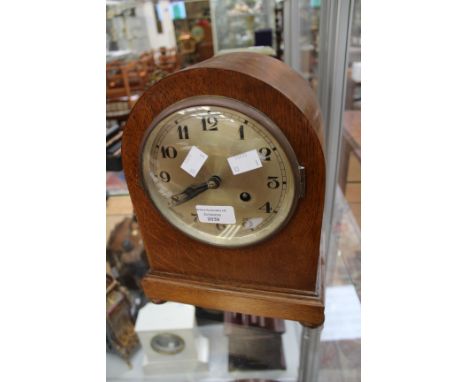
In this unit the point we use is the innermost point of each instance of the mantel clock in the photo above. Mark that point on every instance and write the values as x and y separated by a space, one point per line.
225 167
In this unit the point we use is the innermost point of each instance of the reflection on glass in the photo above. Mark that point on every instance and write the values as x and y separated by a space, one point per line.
309 40
243 23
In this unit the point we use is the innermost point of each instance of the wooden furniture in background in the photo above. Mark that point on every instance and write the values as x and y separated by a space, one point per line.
147 61
187 46
205 50
168 59
126 80
280 277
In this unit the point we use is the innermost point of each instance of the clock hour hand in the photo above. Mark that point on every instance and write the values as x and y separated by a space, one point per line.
191 191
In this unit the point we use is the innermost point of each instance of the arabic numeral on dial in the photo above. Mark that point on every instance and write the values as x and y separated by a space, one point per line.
273 182
165 177
209 123
265 153
183 132
266 207
168 152
195 217
241 133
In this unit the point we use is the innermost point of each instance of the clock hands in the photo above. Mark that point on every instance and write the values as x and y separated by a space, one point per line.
191 191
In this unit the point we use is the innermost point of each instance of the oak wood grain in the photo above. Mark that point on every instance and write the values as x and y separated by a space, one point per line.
278 277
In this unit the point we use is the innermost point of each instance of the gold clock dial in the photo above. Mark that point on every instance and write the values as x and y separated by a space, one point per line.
220 171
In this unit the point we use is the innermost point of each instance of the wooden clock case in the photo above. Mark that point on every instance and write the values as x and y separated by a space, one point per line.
279 277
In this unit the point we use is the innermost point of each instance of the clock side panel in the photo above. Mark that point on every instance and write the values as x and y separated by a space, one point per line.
288 260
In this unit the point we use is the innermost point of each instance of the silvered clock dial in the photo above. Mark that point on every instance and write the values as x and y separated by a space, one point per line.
220 171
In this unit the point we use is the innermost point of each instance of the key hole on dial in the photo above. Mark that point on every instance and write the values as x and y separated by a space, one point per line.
245 196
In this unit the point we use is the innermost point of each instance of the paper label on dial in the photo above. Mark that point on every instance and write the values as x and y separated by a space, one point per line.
194 161
244 162
216 214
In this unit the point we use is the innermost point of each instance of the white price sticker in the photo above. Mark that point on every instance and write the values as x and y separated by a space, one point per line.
194 161
244 162
216 214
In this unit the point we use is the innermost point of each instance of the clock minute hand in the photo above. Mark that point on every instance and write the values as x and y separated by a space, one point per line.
191 191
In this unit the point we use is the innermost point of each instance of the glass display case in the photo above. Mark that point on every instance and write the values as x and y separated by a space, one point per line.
242 347
309 12
126 29
243 23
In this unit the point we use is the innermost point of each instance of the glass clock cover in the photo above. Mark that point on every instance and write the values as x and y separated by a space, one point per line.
167 343
220 171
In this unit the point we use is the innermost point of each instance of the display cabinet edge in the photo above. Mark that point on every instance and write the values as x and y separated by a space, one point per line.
307 309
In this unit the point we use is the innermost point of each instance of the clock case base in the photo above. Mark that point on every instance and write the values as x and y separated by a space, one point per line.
305 308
